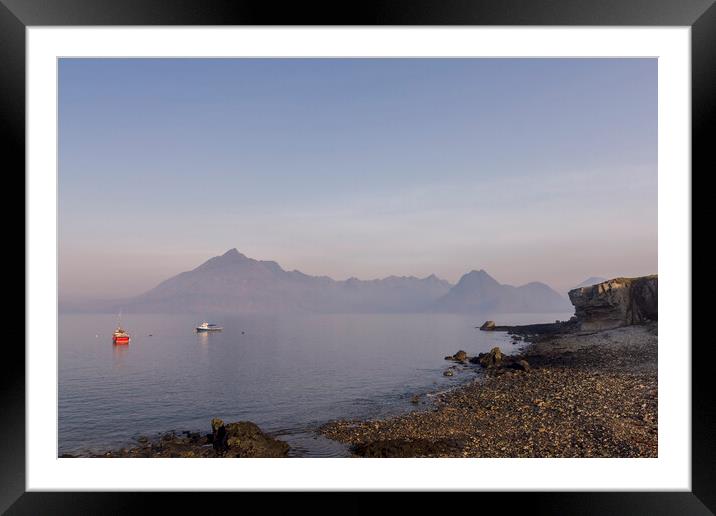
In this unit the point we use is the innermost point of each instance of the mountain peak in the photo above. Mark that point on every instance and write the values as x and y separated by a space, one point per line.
482 273
234 255
478 292
474 278
232 252
231 256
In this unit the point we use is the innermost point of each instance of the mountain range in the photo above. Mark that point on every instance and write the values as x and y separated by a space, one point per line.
234 283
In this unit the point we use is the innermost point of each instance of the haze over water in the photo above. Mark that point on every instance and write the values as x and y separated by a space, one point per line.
532 169
289 374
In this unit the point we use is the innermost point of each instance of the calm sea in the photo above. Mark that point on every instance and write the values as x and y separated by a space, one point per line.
288 374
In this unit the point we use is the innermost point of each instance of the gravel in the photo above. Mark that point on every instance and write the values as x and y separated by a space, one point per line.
587 395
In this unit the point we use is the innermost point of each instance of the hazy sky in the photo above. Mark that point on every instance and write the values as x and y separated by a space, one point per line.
532 169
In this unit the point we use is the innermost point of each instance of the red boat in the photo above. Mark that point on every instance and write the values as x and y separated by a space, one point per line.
120 336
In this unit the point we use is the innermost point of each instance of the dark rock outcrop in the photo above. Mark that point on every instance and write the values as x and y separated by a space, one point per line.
244 439
460 356
407 448
218 436
616 302
488 326
540 329
497 362
491 359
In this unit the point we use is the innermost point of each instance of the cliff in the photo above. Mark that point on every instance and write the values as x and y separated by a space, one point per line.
616 302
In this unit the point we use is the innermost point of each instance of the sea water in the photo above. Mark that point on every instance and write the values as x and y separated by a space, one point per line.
287 373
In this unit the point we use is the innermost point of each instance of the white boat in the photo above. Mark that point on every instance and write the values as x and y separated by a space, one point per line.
205 326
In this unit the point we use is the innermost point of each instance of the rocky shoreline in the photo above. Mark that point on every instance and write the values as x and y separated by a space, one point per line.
586 387
565 395
239 439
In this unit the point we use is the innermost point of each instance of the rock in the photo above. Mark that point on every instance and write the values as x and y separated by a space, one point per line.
488 326
241 439
616 302
415 399
520 365
448 372
407 448
491 359
498 363
245 439
219 439
216 423
460 356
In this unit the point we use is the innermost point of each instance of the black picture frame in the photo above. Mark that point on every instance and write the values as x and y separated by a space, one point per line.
700 15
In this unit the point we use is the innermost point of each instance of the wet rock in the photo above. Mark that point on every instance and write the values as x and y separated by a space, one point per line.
245 439
491 359
488 326
498 363
219 438
407 448
460 356
521 365
240 439
448 372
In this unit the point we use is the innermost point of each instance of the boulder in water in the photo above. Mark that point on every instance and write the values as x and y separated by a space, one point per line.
460 356
488 326
244 439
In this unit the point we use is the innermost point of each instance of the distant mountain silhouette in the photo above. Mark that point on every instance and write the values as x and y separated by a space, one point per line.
234 283
478 292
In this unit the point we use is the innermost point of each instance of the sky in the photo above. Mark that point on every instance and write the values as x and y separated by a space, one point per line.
532 169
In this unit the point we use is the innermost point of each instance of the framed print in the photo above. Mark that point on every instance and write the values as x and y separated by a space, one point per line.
416 248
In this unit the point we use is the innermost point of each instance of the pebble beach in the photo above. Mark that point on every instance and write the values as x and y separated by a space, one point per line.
585 395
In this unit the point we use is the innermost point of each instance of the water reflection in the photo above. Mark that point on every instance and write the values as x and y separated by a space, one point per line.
119 355
203 339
